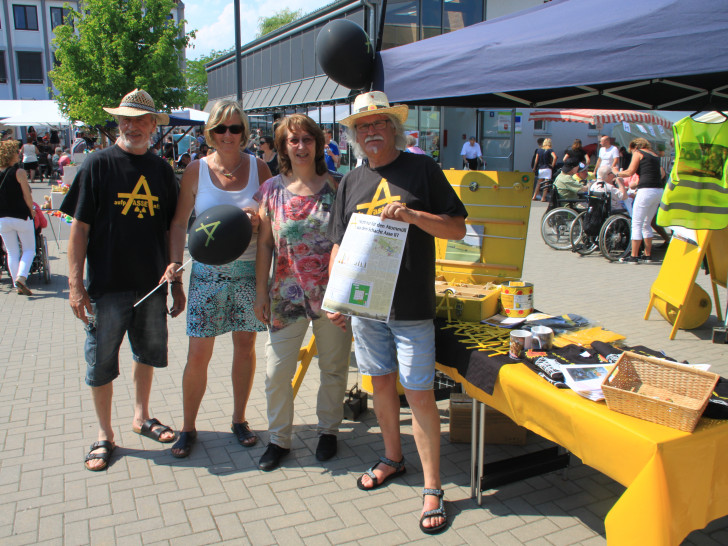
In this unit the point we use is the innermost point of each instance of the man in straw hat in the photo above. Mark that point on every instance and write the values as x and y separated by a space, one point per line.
122 201
410 188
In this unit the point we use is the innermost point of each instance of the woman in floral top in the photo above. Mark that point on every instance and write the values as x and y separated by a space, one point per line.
295 208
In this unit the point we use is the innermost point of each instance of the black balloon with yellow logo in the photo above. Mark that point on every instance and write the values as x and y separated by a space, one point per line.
220 235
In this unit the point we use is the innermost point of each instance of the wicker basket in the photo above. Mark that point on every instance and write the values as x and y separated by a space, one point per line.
658 391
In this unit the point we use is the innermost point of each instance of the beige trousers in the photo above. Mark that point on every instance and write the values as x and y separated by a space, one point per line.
334 349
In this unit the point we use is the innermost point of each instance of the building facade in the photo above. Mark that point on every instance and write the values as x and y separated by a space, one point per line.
26 52
280 75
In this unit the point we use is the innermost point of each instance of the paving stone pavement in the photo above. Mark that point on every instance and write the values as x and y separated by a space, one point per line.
218 495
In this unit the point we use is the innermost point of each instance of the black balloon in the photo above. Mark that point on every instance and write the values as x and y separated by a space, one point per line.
345 53
220 235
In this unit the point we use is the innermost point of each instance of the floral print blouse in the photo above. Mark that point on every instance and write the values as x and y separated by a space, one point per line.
301 250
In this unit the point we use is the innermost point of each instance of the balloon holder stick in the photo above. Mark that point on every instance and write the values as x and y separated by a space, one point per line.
161 283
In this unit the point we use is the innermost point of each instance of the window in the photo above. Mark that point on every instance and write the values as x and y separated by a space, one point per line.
309 55
400 23
3 73
58 16
26 17
431 18
540 126
30 67
461 13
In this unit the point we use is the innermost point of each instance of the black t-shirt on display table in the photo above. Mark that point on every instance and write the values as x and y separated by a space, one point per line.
417 181
129 201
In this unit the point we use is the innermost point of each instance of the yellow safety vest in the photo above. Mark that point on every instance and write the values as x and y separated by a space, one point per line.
696 197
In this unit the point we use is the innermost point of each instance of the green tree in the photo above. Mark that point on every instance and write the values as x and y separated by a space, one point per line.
197 77
277 20
107 48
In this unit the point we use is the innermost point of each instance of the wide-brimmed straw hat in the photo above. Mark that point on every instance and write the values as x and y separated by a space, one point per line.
374 102
138 103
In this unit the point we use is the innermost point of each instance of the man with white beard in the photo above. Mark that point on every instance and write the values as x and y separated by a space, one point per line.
410 188
122 202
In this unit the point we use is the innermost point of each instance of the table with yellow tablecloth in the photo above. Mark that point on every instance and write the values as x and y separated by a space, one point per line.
676 481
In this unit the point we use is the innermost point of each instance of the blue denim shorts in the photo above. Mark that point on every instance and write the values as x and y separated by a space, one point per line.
113 316
405 345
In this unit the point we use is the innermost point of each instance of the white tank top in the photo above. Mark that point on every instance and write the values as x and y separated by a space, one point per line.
29 153
209 195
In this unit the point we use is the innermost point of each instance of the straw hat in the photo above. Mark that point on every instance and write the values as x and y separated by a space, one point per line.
138 103
374 102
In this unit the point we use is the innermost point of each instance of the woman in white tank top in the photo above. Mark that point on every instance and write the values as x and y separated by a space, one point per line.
30 159
220 297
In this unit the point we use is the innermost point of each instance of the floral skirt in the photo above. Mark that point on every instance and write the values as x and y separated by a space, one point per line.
221 299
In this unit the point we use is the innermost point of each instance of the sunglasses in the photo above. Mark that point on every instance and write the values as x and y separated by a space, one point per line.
222 129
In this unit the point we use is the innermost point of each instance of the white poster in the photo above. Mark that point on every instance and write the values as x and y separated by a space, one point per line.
366 268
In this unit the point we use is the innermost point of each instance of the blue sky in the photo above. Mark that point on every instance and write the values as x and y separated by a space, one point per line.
214 20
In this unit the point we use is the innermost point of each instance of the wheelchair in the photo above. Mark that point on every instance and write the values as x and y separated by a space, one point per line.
613 237
557 220
40 264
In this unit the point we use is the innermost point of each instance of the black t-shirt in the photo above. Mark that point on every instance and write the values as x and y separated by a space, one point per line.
417 181
579 155
545 158
12 202
129 201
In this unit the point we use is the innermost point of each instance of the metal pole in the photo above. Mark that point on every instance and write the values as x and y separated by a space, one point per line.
238 63
512 162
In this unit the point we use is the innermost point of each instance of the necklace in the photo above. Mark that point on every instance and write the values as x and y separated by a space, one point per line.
230 174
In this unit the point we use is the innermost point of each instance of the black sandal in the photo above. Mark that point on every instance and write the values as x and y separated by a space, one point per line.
437 512
184 444
244 434
104 455
399 469
153 429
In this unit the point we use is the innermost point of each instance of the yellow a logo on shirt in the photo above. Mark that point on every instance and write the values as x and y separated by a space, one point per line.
142 202
382 197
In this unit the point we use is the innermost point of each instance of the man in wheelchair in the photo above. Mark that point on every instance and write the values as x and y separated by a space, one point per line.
567 185
608 182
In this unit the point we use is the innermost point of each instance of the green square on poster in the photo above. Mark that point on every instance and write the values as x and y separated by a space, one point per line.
359 294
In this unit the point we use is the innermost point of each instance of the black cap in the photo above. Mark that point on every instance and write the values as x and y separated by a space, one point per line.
570 164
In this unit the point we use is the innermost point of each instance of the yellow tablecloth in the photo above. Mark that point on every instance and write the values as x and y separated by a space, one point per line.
676 482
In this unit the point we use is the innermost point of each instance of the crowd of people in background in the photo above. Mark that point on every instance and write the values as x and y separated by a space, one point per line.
633 176
40 154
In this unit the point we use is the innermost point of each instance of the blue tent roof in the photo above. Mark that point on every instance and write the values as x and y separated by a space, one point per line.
646 54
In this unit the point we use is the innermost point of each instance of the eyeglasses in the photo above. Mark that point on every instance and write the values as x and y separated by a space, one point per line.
378 126
307 141
222 129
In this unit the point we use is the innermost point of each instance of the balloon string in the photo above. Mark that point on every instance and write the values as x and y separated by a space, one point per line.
161 283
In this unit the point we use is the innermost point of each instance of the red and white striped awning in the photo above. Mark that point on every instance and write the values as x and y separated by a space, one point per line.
599 117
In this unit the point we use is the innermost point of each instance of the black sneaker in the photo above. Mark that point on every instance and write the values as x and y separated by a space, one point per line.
271 459
646 260
629 260
326 447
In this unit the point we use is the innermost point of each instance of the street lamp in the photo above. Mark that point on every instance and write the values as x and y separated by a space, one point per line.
238 63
